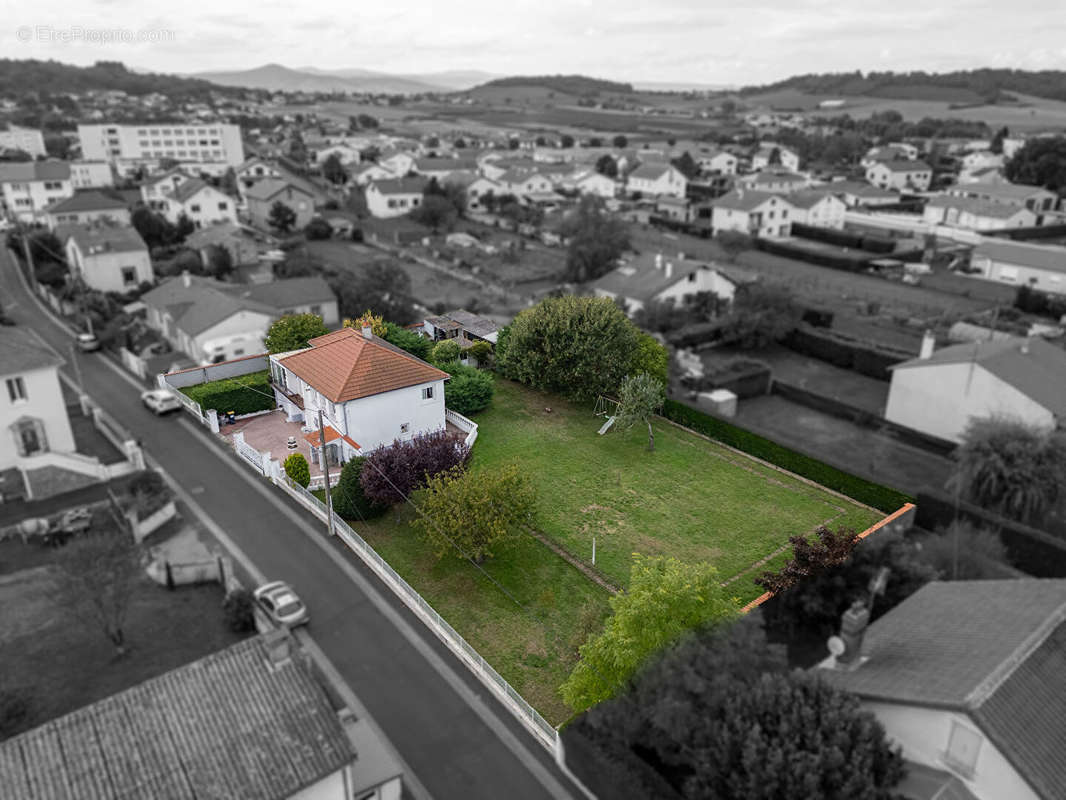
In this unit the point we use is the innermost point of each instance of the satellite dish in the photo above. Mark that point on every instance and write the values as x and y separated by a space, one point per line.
836 646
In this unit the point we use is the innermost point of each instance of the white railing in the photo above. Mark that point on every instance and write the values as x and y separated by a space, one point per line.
467 426
319 481
250 454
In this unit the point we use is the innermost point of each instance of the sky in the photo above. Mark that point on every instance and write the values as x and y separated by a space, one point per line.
690 41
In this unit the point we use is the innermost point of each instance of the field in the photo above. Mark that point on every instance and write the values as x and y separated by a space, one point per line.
692 499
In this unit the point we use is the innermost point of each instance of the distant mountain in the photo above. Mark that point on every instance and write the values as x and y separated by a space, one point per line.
579 85
680 86
18 76
278 78
455 79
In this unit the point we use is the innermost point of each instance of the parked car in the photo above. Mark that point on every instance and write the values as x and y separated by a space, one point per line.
87 342
160 401
279 602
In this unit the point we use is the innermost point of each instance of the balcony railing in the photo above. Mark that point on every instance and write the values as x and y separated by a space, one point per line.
296 399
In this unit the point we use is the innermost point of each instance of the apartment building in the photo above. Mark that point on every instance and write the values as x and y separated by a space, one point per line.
28 140
214 146
27 188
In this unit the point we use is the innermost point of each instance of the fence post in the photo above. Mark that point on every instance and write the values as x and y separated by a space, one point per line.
134 454
212 421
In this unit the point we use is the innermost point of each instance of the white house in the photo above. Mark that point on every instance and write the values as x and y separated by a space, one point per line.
212 147
370 392
754 213
33 413
905 175
774 180
963 676
818 207
940 392
521 183
28 140
895 151
1039 266
595 183
255 169
976 215
400 163
1035 198
87 207
345 153
442 168
788 159
653 179
863 194
156 191
200 202
91 174
661 278
718 162
982 159
395 197
109 258
370 171
27 188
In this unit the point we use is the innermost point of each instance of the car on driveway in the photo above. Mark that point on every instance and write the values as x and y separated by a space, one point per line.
160 401
279 602
87 342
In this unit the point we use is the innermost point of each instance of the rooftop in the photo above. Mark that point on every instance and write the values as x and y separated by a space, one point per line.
905 165
229 725
21 350
35 171
1005 192
395 186
1023 254
639 279
745 199
977 206
202 304
94 239
345 365
650 171
188 189
90 200
268 188
479 326
289 292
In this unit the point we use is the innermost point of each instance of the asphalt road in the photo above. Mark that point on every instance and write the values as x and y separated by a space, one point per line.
455 736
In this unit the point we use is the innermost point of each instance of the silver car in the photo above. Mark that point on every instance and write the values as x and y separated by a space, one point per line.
279 602
160 401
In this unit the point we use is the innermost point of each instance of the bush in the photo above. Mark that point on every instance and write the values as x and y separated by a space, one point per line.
470 390
480 351
445 352
963 552
318 228
414 343
298 470
392 472
244 394
349 499
880 497
238 609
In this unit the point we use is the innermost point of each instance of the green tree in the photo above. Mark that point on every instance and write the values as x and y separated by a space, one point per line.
578 346
1010 468
218 261
606 165
445 352
761 315
996 145
183 228
597 239
228 183
281 217
382 286
435 212
1041 161
470 390
651 357
95 580
333 170
965 552
620 141
318 229
349 499
298 470
640 398
293 332
414 343
475 513
566 141
666 598
152 227
733 243
368 319
686 165
481 352
774 160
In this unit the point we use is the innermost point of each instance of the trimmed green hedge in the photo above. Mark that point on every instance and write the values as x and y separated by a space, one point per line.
244 394
880 497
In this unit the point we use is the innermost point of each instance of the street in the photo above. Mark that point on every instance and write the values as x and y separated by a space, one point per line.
458 740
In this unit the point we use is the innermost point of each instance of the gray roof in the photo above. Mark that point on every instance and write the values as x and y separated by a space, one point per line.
867 190
91 200
640 280
413 185
229 725
444 164
202 304
1027 255
1040 373
22 350
24 172
104 238
745 199
479 326
905 165
651 171
268 188
994 649
808 198
187 189
1004 192
978 206
290 292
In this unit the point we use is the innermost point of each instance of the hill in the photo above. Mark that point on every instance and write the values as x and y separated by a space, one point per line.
965 86
19 76
278 78
577 85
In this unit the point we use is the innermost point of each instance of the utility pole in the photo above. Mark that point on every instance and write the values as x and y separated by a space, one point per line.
77 368
325 470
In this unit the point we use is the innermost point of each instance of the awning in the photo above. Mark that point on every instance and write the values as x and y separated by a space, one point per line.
314 438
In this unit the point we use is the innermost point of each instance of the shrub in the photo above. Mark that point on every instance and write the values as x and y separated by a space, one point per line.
238 610
298 470
481 351
470 390
293 332
810 558
652 358
392 472
414 343
349 499
445 352
244 394
963 552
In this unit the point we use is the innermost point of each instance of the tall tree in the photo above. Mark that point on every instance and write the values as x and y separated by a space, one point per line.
349 499
293 331
1040 162
597 240
640 398
383 287
620 141
606 165
281 217
686 165
333 170
218 261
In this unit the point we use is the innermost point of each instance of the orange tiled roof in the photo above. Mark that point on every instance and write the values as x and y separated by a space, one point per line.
314 438
344 365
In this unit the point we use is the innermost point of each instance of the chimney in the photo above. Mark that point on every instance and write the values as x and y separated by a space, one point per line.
852 630
279 647
669 269
186 279
1025 346
658 261
928 345
681 256
368 332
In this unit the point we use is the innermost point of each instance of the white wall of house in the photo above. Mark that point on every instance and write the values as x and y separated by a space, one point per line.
916 180
120 216
789 159
721 163
771 218
963 218
696 281
1019 274
110 271
940 399
35 394
671 183
90 174
207 143
26 200
204 208
343 785
239 335
398 163
325 309
598 185
379 419
384 206
925 734
826 213
28 140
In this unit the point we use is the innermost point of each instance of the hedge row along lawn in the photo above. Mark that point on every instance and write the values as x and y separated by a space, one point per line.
244 394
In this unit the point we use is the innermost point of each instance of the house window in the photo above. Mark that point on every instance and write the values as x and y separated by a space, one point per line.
129 276
16 390
316 310
223 206
427 393
405 427
29 436
964 745
195 208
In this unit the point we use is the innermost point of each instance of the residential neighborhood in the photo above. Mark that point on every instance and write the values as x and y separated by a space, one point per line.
446 421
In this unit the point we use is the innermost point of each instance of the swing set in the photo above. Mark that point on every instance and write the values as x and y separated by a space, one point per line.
604 407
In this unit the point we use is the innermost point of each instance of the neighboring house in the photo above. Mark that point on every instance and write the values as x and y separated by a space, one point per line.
202 203
396 197
984 175
156 191
677 209
245 244
87 207
976 215
347 154
1035 198
398 163
751 212
370 392
459 325
656 179
969 679
28 140
309 295
28 188
940 392
521 183
906 175
255 169
1041 267
657 278
478 188
442 168
889 152
717 163
594 183
33 413
91 174
109 258
263 194
762 158
371 172
819 207
983 159
250 721
772 180
863 194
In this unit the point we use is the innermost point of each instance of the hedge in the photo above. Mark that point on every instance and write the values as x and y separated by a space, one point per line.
244 394
880 497
865 358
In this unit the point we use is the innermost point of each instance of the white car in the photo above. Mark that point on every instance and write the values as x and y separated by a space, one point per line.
88 343
160 401
280 603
